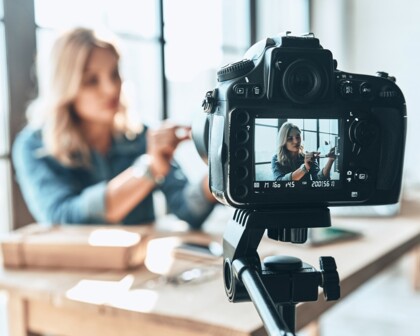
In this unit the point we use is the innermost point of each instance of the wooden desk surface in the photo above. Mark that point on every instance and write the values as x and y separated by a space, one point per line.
140 302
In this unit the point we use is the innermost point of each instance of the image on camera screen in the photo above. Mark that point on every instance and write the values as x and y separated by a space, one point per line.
296 153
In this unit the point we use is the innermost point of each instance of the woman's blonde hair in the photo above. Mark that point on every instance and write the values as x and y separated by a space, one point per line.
283 156
53 111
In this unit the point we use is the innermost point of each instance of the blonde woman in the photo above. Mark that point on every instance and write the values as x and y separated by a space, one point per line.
83 163
291 163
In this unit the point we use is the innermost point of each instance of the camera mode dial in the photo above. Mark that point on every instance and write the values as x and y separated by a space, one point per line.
235 70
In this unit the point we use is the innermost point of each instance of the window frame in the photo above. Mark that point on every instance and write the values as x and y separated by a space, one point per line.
20 40
19 27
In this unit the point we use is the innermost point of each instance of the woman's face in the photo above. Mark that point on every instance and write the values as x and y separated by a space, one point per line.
293 141
98 98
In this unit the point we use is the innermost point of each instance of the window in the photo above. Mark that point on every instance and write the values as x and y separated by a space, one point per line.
319 135
266 142
221 34
171 51
167 66
135 24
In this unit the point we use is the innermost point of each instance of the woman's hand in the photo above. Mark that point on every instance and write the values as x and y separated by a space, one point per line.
309 159
161 145
331 154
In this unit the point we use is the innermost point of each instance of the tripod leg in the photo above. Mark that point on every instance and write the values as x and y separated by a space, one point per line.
288 311
271 317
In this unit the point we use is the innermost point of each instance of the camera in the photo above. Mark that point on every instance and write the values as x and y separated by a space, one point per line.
351 130
286 135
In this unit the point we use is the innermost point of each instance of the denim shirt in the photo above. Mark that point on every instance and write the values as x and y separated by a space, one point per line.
284 172
58 194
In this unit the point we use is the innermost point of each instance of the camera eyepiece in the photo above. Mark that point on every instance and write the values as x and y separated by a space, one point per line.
304 82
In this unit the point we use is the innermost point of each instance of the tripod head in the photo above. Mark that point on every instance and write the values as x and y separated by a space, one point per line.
278 283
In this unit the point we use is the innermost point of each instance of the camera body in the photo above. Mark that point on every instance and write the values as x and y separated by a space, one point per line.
354 124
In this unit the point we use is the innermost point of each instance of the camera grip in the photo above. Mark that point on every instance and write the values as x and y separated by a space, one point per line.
392 125
217 153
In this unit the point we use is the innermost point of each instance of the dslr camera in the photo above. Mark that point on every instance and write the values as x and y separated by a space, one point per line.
353 124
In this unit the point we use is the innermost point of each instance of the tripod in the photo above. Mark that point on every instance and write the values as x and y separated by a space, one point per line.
276 285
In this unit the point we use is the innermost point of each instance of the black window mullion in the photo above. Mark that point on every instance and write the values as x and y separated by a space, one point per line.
162 42
317 134
19 26
252 22
19 22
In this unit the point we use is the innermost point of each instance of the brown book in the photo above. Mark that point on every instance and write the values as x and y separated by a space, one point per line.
80 246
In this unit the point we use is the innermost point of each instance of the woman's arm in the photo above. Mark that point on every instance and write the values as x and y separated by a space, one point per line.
54 194
124 192
191 202
58 194
327 168
281 174
131 186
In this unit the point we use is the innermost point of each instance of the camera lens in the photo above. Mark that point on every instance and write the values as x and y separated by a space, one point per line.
304 81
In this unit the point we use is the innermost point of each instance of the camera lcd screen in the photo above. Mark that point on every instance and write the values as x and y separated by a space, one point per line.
294 154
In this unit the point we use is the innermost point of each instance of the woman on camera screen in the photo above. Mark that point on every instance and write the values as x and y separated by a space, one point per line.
291 163
79 160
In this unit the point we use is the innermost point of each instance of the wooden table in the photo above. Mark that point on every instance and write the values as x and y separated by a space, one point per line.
141 302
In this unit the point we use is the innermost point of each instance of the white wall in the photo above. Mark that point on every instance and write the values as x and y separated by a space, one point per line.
378 35
365 36
279 16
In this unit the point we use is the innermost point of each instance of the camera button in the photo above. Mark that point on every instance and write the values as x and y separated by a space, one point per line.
242 117
242 136
242 154
256 90
365 90
347 89
239 90
354 194
241 172
241 191
363 132
361 175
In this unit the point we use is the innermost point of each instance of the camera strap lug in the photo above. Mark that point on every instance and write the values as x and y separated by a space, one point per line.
209 101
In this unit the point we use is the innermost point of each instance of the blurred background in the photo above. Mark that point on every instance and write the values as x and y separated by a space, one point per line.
171 51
